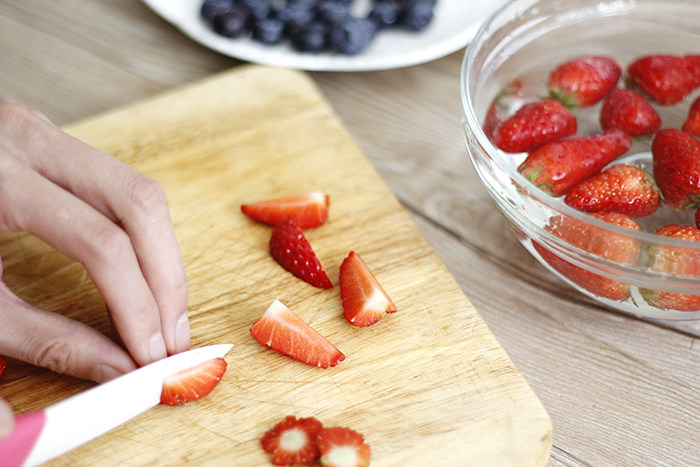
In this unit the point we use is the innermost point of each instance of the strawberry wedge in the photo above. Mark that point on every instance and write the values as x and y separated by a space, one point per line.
308 210
282 330
364 300
193 383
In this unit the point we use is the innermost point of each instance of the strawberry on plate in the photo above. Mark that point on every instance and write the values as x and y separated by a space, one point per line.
293 441
280 329
630 112
667 79
290 248
364 300
623 188
557 167
308 210
343 447
533 125
583 81
193 383
675 260
676 160
692 123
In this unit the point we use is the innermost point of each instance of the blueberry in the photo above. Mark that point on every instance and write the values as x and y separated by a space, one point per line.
211 8
303 4
417 14
311 38
352 35
332 11
268 30
232 23
296 18
385 13
258 9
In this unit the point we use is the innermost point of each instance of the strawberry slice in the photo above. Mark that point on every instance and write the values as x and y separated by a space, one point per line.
3 366
292 251
293 441
364 300
192 383
282 330
343 447
308 210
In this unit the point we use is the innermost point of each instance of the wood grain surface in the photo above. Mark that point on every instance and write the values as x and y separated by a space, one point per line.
620 390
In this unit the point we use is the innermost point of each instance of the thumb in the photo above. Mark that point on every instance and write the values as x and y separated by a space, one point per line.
7 419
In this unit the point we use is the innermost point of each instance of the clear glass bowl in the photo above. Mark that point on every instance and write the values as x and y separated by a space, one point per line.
525 40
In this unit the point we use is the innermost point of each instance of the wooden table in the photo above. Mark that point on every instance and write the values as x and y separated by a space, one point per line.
619 390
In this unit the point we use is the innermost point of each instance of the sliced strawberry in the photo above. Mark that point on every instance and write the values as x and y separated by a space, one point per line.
193 383
292 251
364 300
308 210
3 366
343 447
293 441
282 330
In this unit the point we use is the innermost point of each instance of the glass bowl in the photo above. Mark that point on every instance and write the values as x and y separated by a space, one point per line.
524 41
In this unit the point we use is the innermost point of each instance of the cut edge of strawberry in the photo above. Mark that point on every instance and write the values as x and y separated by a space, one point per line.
293 441
192 383
343 447
366 303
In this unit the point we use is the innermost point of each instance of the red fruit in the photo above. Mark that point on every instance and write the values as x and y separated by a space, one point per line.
293 441
692 123
493 118
590 238
557 167
364 300
667 79
533 125
3 366
621 188
583 81
193 383
282 330
676 157
343 447
292 251
630 112
308 210
675 260
494 114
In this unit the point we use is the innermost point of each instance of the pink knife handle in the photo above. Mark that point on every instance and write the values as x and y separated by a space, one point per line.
15 449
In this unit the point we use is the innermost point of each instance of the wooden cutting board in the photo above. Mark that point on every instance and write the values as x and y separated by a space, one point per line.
428 385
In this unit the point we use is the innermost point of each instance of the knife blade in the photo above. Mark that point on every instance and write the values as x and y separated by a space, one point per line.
43 434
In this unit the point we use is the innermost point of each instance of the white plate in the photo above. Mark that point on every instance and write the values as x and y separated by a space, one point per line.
454 25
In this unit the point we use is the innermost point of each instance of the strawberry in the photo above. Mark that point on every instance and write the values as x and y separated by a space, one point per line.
308 210
621 188
676 159
583 81
364 300
282 330
494 117
3 366
557 167
293 441
290 248
193 383
667 79
495 112
674 260
630 112
343 447
533 125
692 123
602 243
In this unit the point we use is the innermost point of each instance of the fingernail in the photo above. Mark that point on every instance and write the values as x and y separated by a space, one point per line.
156 347
182 333
103 372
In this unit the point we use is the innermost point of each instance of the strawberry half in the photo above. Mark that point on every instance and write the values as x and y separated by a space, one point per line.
583 81
193 383
292 251
343 447
293 441
676 158
692 123
308 210
282 330
364 300
3 366
667 79
630 112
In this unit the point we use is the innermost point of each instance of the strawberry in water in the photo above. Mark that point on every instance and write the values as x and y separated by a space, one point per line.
293 441
290 248
676 160
557 167
308 210
495 114
621 188
364 300
692 123
630 112
193 383
282 330
675 260
667 79
583 81
533 125
343 447
590 238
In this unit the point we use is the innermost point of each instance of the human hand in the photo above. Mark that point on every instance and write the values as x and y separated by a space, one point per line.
112 219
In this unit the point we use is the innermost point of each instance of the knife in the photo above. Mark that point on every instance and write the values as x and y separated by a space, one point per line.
43 434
